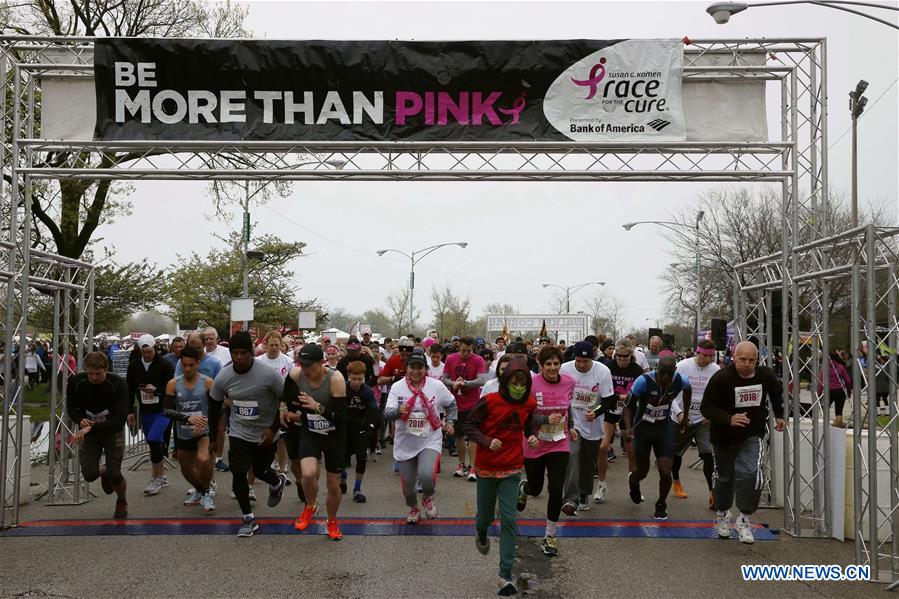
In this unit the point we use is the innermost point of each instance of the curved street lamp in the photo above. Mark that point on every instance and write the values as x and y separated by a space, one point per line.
723 11
571 290
673 226
414 258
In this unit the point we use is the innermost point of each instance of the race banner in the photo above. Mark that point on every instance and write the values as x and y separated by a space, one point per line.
583 90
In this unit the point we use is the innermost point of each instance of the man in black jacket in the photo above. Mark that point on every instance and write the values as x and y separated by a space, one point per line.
147 378
736 404
97 402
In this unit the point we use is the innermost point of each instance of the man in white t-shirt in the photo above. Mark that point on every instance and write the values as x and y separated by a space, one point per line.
212 347
698 370
593 382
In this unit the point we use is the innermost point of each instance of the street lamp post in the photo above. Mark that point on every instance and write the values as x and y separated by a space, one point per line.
857 102
723 11
698 266
245 230
414 258
571 290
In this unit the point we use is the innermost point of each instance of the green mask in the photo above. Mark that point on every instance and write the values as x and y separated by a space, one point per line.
516 392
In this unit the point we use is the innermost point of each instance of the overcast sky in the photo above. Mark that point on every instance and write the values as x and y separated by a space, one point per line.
520 234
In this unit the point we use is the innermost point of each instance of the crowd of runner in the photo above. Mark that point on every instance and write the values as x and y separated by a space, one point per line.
520 417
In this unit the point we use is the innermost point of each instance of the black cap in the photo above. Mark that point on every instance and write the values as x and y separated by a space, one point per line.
417 357
517 347
310 354
583 349
241 340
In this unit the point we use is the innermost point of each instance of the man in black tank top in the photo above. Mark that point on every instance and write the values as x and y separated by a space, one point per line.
315 399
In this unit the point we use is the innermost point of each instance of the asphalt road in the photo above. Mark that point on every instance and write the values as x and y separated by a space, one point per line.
297 565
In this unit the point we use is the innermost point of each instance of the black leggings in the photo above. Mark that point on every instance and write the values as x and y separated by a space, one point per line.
708 467
553 466
242 455
838 400
357 444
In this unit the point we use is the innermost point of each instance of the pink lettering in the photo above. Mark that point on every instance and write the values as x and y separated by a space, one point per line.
446 106
407 104
429 108
483 107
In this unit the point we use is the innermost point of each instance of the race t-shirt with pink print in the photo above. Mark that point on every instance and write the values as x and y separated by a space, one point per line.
552 398
468 369
623 379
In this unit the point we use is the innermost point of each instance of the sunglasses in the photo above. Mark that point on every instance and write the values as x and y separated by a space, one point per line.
623 356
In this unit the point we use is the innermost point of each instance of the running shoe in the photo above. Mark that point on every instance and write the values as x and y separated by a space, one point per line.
744 529
208 503
221 466
121 509
482 544
418 488
634 488
276 491
252 494
305 518
195 499
396 467
378 451
414 515
506 588
601 489
460 471
548 545
722 525
612 456
583 506
678 488
661 511
247 527
430 508
334 530
153 486
358 497
164 480
569 508
472 477
213 488
190 491
711 500
454 452
522 495
105 482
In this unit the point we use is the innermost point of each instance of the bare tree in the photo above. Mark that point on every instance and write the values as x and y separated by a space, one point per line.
607 313
450 311
398 310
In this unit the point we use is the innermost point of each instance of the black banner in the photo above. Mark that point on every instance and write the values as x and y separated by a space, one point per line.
174 89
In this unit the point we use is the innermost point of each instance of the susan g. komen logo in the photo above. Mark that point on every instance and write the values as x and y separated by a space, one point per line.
597 73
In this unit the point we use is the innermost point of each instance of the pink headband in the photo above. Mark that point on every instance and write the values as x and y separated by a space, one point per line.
705 352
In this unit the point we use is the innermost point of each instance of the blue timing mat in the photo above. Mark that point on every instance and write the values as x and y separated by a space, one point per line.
449 527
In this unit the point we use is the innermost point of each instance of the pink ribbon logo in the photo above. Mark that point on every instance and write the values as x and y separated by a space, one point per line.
596 74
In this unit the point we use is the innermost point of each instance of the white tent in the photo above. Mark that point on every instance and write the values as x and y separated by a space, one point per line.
164 337
336 335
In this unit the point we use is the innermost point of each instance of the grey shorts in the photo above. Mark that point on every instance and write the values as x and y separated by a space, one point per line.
698 431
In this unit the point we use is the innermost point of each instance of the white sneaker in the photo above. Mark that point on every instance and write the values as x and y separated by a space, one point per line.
601 489
190 491
208 503
153 486
252 494
744 529
212 489
722 525
164 480
194 499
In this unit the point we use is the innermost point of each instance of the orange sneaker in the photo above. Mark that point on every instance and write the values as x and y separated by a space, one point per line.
679 489
711 500
305 518
334 530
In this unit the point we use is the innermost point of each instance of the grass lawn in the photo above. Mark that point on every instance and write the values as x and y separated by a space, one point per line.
37 403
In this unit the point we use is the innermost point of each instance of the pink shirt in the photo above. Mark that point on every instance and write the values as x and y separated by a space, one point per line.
468 369
552 398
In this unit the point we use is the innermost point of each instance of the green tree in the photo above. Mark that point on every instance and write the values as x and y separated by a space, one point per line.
199 289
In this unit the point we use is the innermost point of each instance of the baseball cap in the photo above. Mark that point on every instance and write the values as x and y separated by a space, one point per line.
427 342
517 347
417 357
455 338
366 331
583 349
146 340
480 341
310 354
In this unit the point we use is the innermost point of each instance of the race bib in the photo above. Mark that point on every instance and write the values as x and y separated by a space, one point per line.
553 433
654 413
418 424
319 424
186 430
98 417
619 405
148 398
749 396
694 406
583 400
246 409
